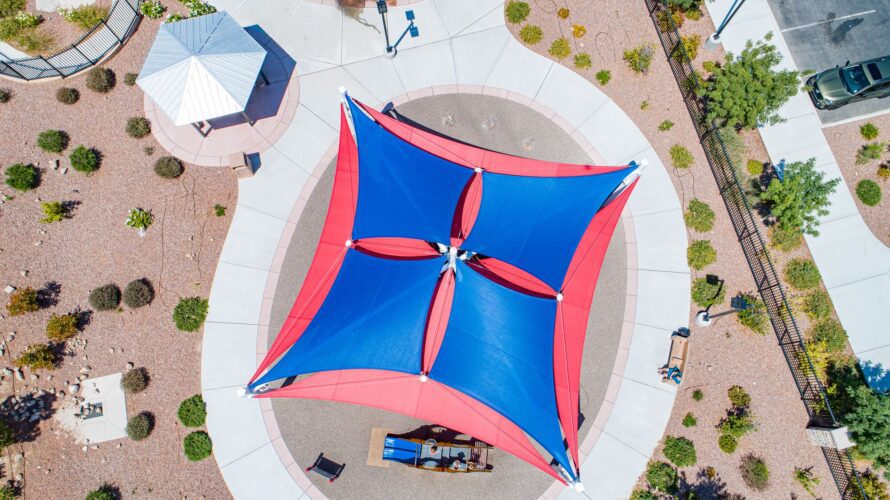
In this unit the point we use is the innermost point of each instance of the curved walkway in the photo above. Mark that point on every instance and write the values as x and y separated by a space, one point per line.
464 47
855 265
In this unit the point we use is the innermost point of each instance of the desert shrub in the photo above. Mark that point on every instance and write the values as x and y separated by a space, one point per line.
831 333
219 210
738 396
639 494
698 395
872 486
755 316
755 168
7 436
100 80
668 20
869 192
785 240
531 34
140 219
8 492
52 141
802 197
53 211
689 420
699 216
192 411
190 313
138 293
681 157
685 5
817 304
639 58
135 380
517 11
680 451
700 254
105 297
706 294
603 76
105 492
884 172
11 7
63 327
139 427
22 301
560 48
665 125
130 78
578 31
152 9
870 152
562 13
138 127
727 443
582 61
84 159
737 424
67 95
5 95
197 446
802 274
806 479
644 105
34 41
662 477
168 167
85 16
869 131
22 177
754 472
691 43
38 357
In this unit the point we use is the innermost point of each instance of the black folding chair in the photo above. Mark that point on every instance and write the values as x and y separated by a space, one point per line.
327 468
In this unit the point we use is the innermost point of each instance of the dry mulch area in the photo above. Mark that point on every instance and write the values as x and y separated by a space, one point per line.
94 247
845 140
725 354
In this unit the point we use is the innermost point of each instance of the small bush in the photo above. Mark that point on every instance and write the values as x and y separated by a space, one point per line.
130 78
152 9
219 210
60 328
639 494
8 492
727 443
5 95
699 216
806 479
817 304
85 16
802 274
668 20
22 301
665 126
531 34
604 76
582 61
100 80
754 472
680 451
706 294
197 446
138 127
560 48
785 240
869 192
737 424
53 211
139 427
644 105
681 157
691 43
105 492
831 333
67 95
106 297
755 168
884 172
710 66
640 58
135 380
192 411
22 177
698 395
84 159
700 254
562 13
38 357
190 313
755 316
662 477
52 141
738 396
872 486
138 293
869 131
689 420
168 167
870 152
578 31
517 11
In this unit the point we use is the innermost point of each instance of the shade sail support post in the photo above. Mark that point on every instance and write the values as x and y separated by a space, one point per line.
344 103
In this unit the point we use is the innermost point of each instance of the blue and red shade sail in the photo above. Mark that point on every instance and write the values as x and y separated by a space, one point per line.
452 284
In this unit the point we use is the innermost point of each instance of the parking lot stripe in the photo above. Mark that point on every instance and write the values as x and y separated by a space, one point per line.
817 23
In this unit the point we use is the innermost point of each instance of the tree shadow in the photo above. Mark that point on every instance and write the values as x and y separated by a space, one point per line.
24 414
84 318
48 296
706 483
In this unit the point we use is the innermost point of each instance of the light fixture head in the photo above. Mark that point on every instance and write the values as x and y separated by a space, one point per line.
381 6
409 15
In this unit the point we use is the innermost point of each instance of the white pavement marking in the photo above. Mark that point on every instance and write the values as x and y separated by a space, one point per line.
817 23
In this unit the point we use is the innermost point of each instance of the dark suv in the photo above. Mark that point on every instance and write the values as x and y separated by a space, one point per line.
837 86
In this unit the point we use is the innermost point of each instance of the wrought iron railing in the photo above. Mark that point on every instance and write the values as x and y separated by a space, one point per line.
108 35
769 285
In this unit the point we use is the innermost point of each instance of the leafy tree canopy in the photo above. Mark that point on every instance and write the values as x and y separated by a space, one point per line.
869 424
797 201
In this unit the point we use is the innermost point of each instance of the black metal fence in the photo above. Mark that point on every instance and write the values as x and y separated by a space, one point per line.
768 283
92 47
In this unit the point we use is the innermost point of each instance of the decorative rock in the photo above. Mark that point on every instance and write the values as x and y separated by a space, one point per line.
82 378
24 273
19 476
19 375
85 369
73 388
85 448
111 350
38 243
56 164
130 365
95 447
7 372
18 457
34 376
9 289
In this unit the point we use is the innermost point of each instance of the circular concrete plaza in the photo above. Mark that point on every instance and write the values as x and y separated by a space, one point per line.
343 432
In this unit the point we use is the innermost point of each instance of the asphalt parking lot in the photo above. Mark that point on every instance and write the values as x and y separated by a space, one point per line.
824 33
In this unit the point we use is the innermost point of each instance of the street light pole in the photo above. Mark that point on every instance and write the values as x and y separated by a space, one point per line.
382 9
392 49
714 39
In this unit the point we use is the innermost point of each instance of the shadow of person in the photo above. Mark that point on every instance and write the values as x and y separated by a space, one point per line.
839 35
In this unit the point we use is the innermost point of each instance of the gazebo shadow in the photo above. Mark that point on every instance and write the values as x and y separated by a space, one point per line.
267 98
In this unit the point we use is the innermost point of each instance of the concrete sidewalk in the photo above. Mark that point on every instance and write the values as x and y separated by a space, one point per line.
855 265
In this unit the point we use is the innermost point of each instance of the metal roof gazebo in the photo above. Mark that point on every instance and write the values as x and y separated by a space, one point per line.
202 68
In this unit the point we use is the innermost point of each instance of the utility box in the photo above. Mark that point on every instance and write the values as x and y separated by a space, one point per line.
828 437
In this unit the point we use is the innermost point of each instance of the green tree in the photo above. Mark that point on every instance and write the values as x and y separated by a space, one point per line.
869 424
802 197
747 90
